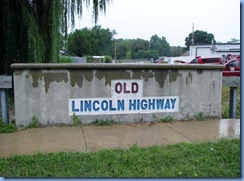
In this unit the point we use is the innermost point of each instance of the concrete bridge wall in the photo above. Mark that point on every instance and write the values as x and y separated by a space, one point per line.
124 93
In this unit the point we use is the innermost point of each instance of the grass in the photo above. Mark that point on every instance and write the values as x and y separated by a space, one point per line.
166 119
200 117
206 159
34 123
75 119
7 128
225 102
106 122
65 59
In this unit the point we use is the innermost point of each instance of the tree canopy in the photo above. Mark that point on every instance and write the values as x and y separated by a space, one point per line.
139 48
30 30
234 40
160 44
95 41
200 38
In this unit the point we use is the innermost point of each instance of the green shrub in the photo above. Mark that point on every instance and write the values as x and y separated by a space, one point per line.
64 59
34 123
104 122
225 102
75 119
108 59
167 119
7 128
200 117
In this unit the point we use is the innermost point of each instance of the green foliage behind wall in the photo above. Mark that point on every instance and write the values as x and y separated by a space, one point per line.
30 30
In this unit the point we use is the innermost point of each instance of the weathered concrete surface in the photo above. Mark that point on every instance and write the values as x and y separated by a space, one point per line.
42 140
91 138
231 81
44 90
208 130
124 136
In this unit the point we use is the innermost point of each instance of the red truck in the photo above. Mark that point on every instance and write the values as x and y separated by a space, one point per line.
206 60
232 67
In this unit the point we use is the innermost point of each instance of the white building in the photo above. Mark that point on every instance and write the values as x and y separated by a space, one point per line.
219 50
216 50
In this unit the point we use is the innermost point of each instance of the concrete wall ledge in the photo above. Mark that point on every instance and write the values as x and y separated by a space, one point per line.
124 93
22 66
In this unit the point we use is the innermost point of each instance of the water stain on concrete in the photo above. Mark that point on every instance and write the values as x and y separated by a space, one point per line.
161 76
173 75
213 84
112 75
199 72
36 76
142 74
78 76
48 78
189 78
54 77
125 74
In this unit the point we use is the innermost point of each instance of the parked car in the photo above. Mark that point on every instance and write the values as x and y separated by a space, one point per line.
161 60
180 62
206 60
232 67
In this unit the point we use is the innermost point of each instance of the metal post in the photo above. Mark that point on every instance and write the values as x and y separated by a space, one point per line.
233 102
4 105
192 34
115 50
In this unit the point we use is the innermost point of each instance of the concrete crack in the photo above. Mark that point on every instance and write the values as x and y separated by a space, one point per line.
180 133
83 134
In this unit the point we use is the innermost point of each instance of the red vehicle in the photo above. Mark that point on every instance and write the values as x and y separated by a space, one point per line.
206 60
232 67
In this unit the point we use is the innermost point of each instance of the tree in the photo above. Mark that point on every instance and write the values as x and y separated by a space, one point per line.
165 47
143 49
147 54
155 43
120 48
81 43
137 45
95 41
176 51
200 38
234 40
160 44
104 42
30 30
129 48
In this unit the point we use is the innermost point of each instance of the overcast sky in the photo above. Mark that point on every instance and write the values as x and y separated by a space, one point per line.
172 19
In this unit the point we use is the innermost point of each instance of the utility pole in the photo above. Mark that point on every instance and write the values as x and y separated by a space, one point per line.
193 34
192 41
114 49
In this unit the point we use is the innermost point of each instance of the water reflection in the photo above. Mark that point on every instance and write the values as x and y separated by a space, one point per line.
229 128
